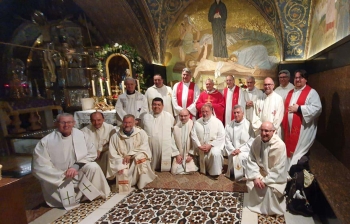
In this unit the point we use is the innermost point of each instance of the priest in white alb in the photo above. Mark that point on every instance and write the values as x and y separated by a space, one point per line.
208 135
270 108
158 125
302 109
285 85
239 138
63 161
129 157
184 162
130 102
162 91
100 132
233 95
185 95
251 95
266 173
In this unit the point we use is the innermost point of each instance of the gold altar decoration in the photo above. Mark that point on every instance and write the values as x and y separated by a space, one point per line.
101 103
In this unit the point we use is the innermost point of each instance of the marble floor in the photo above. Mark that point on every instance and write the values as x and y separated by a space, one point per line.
248 217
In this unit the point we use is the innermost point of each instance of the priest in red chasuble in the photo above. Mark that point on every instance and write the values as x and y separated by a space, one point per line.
214 97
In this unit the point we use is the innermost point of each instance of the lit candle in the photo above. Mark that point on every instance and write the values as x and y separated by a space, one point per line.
93 88
108 87
101 86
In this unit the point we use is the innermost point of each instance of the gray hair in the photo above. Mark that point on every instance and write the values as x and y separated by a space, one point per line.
209 106
63 115
285 72
187 70
250 78
130 79
237 106
128 116
210 80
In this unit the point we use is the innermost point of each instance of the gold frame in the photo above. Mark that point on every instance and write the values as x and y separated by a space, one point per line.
107 68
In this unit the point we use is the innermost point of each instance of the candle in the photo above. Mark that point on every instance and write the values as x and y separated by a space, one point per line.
101 86
93 88
108 87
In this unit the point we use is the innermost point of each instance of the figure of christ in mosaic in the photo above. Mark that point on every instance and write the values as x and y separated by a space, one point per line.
266 173
129 157
185 95
217 16
214 97
208 135
63 161
100 133
158 124
184 162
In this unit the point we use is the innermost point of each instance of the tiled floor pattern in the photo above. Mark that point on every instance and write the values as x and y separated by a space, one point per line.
177 206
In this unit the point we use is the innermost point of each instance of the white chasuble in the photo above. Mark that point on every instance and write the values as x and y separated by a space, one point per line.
209 132
251 95
163 92
134 104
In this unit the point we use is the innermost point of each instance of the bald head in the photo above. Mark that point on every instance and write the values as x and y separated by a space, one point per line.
267 131
269 84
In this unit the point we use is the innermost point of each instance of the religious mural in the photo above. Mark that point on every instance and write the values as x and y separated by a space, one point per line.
330 23
217 38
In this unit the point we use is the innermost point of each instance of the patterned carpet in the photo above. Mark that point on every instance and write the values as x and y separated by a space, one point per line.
176 206
273 219
196 181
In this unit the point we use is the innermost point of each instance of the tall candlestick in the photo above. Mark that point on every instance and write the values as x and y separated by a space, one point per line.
93 88
101 86
108 87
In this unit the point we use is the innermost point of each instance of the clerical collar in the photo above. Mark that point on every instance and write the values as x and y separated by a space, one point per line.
211 91
128 93
128 133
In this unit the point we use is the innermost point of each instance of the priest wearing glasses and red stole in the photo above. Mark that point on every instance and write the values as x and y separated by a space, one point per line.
233 95
302 109
185 95
213 97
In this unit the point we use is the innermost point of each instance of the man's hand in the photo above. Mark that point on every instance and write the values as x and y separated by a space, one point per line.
126 160
258 183
71 173
120 171
179 159
189 158
293 108
235 152
249 103
98 154
205 148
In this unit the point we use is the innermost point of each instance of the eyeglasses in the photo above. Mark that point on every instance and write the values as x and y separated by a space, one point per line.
299 77
66 122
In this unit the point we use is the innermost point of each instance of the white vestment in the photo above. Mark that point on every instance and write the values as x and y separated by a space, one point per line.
100 137
310 113
267 162
136 145
134 104
228 103
159 128
270 108
283 91
55 154
183 142
192 107
163 92
252 95
238 136
209 132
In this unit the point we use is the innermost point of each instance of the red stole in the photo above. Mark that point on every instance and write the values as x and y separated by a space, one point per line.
190 95
235 98
291 137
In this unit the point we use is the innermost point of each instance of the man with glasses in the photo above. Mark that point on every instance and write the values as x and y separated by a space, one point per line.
266 172
270 108
251 95
63 161
285 85
302 109
185 94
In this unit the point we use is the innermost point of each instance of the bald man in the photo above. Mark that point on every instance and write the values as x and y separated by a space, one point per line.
269 108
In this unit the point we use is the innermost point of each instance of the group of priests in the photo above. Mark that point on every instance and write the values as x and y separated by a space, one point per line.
183 130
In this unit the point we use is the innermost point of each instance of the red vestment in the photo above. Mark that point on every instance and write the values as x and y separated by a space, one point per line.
216 99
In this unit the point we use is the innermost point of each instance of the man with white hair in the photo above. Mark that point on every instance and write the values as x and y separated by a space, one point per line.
162 91
266 172
238 140
63 161
130 102
208 135
285 85
251 95
184 163
185 94
270 108
214 97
